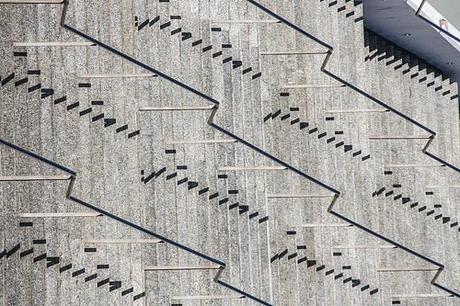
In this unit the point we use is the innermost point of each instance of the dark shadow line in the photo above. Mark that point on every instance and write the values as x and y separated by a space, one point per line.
449 165
290 24
146 231
140 64
400 246
241 292
381 103
38 157
257 149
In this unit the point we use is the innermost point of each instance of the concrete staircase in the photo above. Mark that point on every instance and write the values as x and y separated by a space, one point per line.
250 183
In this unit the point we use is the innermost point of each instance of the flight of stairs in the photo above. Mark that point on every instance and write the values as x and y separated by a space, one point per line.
129 162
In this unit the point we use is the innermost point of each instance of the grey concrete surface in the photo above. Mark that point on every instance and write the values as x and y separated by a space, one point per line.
226 214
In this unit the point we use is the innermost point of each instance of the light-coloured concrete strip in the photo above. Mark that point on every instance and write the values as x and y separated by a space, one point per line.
122 241
117 76
34 178
252 168
448 186
274 53
31 1
351 111
299 195
205 297
421 295
54 44
173 109
362 246
59 215
395 137
207 141
312 225
245 21
413 165
407 269
301 86
182 268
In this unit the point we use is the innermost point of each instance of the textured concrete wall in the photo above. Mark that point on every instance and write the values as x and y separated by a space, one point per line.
250 186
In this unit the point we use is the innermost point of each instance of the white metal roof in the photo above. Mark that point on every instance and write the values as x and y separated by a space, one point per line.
396 21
